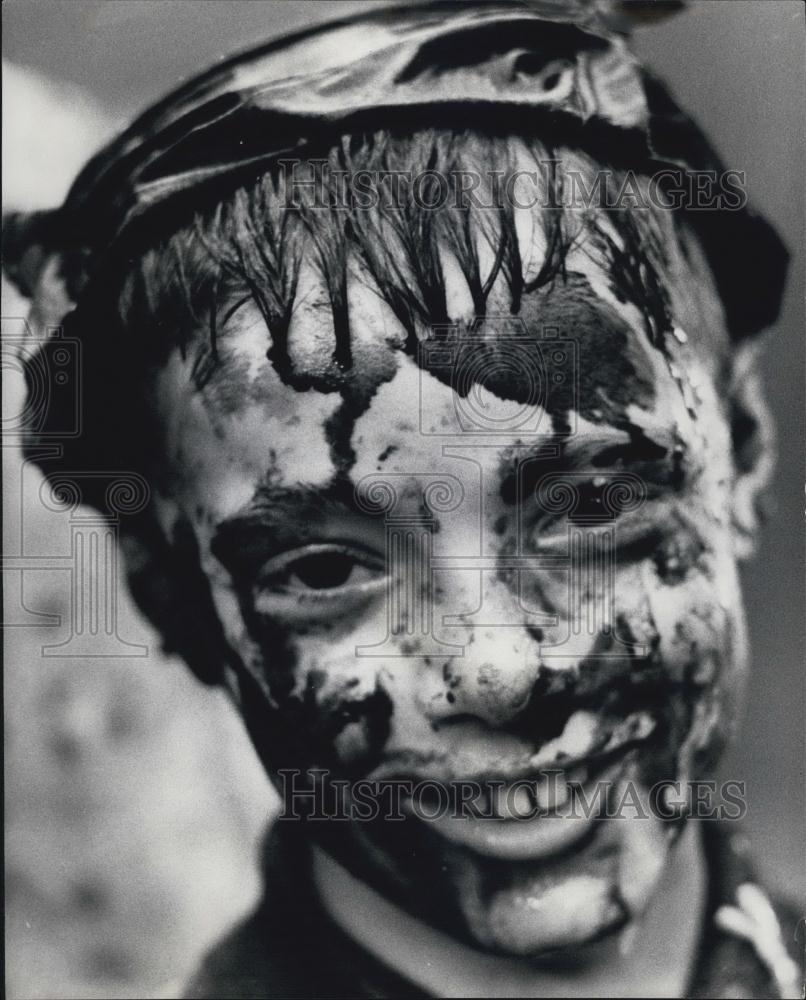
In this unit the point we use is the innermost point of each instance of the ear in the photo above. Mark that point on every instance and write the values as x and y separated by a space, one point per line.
753 437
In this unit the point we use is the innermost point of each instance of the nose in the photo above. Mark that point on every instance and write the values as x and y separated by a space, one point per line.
492 685
495 676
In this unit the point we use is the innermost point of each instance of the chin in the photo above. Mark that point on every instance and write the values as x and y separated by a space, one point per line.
565 903
547 910
542 923
546 896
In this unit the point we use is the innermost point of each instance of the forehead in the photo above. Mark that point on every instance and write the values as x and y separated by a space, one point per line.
580 361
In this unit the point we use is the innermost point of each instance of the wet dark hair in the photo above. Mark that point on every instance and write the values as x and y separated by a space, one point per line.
177 287
251 243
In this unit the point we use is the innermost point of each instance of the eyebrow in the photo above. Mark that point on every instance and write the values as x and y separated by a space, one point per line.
612 449
279 516
660 463
613 444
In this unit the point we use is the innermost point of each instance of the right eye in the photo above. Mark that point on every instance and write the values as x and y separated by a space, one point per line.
323 570
318 581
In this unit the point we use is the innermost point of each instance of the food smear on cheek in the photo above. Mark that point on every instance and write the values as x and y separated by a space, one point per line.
308 707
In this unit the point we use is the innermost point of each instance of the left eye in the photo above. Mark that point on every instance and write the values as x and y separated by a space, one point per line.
324 571
318 582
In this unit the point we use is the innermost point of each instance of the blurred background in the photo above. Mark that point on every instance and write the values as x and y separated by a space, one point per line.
134 804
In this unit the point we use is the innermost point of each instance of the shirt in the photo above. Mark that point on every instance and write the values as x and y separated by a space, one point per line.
290 947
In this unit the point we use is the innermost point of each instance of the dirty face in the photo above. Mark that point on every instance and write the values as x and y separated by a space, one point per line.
504 553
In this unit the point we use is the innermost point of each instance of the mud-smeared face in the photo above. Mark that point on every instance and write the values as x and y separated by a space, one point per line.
506 552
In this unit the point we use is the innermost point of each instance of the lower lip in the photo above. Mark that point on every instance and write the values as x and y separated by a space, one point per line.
533 838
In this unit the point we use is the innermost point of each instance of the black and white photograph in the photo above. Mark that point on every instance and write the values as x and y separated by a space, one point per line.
404 498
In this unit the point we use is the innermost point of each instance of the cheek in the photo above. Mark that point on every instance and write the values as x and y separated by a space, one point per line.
321 704
339 703
694 602
692 622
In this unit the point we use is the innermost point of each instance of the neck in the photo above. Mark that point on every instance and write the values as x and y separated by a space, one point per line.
653 957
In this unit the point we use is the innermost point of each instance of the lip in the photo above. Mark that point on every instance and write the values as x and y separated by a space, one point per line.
498 756
538 837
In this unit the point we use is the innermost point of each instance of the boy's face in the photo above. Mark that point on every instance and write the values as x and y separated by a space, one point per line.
567 599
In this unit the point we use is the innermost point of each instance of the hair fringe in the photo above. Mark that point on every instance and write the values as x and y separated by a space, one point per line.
251 246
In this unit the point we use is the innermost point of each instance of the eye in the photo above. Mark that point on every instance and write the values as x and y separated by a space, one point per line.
318 582
565 504
589 503
325 570
599 505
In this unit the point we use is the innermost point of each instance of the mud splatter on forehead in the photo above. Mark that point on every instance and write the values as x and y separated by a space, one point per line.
603 361
255 243
602 371
331 302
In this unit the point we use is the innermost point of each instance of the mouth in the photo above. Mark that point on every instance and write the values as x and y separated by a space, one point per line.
541 811
534 818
